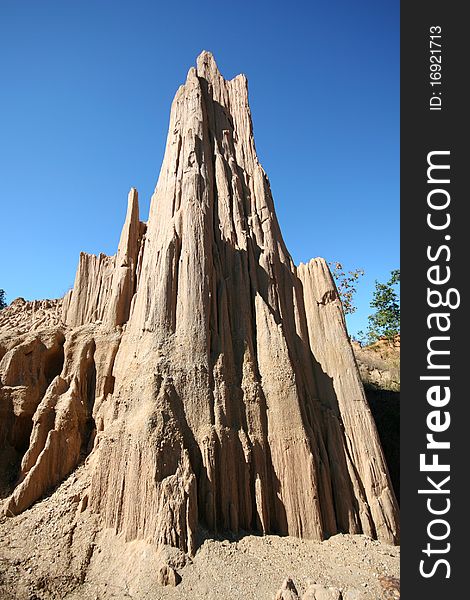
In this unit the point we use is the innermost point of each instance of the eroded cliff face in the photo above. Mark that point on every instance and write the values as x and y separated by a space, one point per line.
204 378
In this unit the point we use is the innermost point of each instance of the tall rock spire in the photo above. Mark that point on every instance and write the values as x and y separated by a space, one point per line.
232 397
235 385
105 285
124 274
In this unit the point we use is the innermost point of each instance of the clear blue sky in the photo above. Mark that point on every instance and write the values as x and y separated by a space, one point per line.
86 88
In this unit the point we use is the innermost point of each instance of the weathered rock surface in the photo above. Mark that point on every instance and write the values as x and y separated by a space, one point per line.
353 594
22 316
207 379
168 576
391 587
287 591
379 369
365 481
104 285
316 591
379 364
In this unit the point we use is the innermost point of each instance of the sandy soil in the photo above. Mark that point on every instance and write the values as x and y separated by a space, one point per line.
56 550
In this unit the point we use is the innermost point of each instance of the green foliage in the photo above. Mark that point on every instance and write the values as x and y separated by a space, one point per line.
385 321
346 285
360 337
3 302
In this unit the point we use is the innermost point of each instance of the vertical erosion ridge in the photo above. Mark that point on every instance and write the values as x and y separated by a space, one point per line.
227 393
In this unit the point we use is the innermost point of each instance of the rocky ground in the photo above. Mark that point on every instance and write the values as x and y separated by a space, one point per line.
36 564
379 364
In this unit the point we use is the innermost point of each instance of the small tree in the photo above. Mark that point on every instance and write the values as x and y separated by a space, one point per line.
2 299
385 322
346 285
